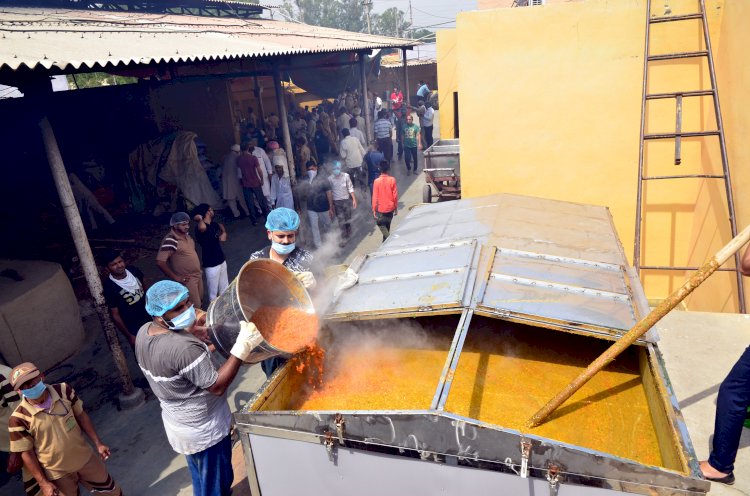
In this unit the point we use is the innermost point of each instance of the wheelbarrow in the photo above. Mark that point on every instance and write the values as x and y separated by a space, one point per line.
442 183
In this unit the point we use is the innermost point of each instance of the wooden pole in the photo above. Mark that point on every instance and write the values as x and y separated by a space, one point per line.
642 326
292 172
258 91
131 396
365 97
406 91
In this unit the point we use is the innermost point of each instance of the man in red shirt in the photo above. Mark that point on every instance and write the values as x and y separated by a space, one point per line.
397 101
252 181
384 199
397 104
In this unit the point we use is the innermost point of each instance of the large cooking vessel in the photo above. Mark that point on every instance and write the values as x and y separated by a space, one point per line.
516 295
259 283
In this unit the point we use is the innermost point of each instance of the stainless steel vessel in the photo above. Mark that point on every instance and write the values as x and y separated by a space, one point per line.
496 268
259 283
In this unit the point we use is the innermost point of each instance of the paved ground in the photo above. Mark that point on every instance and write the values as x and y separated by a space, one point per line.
699 349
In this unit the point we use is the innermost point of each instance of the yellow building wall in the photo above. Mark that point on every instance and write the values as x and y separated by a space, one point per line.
550 106
447 80
733 80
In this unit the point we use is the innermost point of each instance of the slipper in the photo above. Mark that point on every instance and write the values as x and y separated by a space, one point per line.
727 479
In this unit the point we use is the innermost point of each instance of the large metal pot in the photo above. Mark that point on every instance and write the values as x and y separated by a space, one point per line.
259 283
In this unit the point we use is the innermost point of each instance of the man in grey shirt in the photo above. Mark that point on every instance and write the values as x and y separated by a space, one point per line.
192 393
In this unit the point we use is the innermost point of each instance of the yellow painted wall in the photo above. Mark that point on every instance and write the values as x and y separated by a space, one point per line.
447 80
550 105
733 79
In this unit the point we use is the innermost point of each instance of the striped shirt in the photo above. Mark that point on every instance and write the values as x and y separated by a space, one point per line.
54 433
382 128
179 251
179 370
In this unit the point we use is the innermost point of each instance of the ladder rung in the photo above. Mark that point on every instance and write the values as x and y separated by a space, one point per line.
656 96
678 55
658 267
684 176
683 135
683 17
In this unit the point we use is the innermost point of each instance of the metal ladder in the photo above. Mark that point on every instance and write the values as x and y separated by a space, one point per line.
678 134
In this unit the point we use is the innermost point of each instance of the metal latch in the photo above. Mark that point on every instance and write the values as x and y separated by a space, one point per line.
340 424
525 455
553 477
328 443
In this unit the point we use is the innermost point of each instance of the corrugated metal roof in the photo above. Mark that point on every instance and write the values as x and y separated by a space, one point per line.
79 40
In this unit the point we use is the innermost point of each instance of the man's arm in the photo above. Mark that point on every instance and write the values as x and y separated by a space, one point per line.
88 427
227 373
201 223
395 197
745 262
259 170
120 324
31 462
331 210
162 264
222 232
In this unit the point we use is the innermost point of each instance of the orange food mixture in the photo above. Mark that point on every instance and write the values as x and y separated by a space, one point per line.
384 378
287 328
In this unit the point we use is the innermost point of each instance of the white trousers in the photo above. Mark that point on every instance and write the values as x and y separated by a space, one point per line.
318 221
216 280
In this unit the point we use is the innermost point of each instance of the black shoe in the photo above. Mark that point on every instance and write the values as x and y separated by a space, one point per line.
727 479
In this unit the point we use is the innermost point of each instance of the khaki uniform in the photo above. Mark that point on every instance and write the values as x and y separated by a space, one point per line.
65 456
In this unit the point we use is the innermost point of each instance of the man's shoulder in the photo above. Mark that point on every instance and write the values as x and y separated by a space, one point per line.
262 253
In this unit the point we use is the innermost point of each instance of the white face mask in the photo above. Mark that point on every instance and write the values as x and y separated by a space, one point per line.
311 174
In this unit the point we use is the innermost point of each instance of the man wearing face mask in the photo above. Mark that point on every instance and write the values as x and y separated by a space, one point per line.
344 200
282 225
47 429
192 393
320 209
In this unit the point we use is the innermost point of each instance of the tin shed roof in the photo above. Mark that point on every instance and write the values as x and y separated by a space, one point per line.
57 41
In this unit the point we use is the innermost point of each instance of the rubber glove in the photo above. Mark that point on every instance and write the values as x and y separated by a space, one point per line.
306 278
248 338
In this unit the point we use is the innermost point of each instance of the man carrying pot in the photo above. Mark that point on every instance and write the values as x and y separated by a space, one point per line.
282 225
192 393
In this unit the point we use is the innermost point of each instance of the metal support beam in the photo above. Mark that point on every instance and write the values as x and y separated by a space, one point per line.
130 396
284 125
365 96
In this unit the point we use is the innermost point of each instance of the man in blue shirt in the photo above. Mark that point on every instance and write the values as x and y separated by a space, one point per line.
423 93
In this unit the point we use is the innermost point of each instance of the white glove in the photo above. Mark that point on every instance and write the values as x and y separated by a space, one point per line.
248 338
306 278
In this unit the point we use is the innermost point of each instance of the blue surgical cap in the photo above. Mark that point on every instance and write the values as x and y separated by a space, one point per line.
282 219
164 296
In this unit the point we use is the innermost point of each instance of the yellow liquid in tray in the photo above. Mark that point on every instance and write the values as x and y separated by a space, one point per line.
504 377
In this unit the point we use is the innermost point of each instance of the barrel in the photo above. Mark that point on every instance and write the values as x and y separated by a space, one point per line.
259 283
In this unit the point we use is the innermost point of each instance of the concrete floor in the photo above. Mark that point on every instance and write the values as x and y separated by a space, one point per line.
699 349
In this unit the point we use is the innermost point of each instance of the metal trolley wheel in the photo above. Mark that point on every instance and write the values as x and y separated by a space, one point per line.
426 194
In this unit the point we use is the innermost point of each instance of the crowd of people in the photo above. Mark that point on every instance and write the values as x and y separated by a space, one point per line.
162 322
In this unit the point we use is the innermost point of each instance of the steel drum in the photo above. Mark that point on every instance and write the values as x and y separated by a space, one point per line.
259 283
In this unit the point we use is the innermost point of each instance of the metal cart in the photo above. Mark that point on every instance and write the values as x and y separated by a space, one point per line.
506 284
442 171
